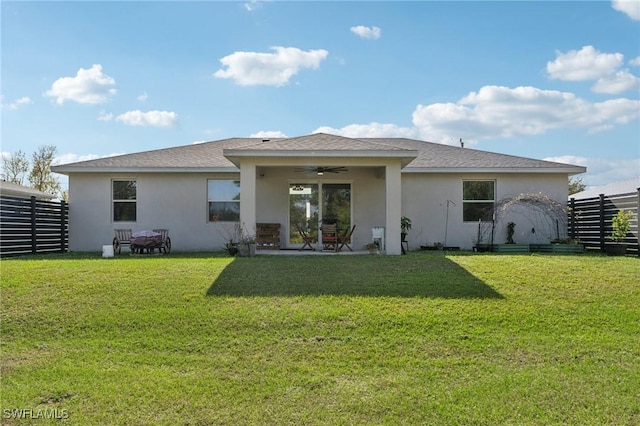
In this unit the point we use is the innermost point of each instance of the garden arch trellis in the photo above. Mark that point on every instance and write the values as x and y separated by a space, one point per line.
546 217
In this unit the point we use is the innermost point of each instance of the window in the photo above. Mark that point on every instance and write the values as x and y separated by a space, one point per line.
124 194
478 199
224 200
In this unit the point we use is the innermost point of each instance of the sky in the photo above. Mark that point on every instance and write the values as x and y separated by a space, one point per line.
548 80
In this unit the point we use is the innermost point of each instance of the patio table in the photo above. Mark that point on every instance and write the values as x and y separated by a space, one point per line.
145 240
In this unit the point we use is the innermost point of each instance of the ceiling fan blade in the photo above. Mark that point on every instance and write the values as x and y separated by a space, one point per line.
305 169
320 169
335 169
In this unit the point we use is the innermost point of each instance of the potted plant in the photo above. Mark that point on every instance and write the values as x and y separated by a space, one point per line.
405 226
231 248
240 242
511 229
247 246
373 248
510 245
621 225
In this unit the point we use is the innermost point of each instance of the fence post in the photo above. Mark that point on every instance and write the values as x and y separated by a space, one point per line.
34 241
602 221
63 228
572 217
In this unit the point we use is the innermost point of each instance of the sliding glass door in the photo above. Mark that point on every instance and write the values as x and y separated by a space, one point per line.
303 212
310 204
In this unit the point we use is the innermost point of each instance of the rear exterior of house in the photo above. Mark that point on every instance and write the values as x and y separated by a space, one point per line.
201 192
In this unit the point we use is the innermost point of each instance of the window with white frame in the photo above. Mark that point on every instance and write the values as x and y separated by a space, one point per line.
478 199
124 194
223 196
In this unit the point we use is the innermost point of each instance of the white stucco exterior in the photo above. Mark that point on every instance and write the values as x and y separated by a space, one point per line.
425 196
178 201
174 201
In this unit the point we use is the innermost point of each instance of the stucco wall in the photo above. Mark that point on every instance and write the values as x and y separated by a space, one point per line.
174 201
425 196
179 202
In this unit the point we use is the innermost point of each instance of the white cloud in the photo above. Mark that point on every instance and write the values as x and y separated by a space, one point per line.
602 171
371 130
104 116
635 62
584 64
617 83
501 112
269 134
629 7
270 69
590 64
18 103
149 118
361 31
142 97
89 86
252 5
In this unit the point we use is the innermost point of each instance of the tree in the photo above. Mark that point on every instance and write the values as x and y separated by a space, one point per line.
576 185
41 177
15 167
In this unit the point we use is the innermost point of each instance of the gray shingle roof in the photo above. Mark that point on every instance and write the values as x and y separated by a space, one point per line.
325 142
209 155
437 156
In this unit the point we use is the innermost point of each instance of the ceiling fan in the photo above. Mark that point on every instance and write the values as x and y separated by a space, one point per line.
321 170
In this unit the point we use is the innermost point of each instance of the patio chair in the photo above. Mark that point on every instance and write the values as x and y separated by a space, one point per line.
329 237
306 238
165 245
122 238
345 239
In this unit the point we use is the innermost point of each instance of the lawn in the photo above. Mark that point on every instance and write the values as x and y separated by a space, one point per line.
427 338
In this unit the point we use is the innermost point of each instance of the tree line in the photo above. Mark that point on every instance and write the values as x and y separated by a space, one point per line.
17 169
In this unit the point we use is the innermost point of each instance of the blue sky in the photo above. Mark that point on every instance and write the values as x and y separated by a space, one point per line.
547 80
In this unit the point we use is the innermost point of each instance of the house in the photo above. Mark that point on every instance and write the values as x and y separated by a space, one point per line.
615 188
15 190
200 191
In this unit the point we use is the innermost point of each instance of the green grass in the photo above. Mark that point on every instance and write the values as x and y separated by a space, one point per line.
426 338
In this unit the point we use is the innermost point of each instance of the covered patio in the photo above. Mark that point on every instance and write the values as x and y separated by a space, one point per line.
305 180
